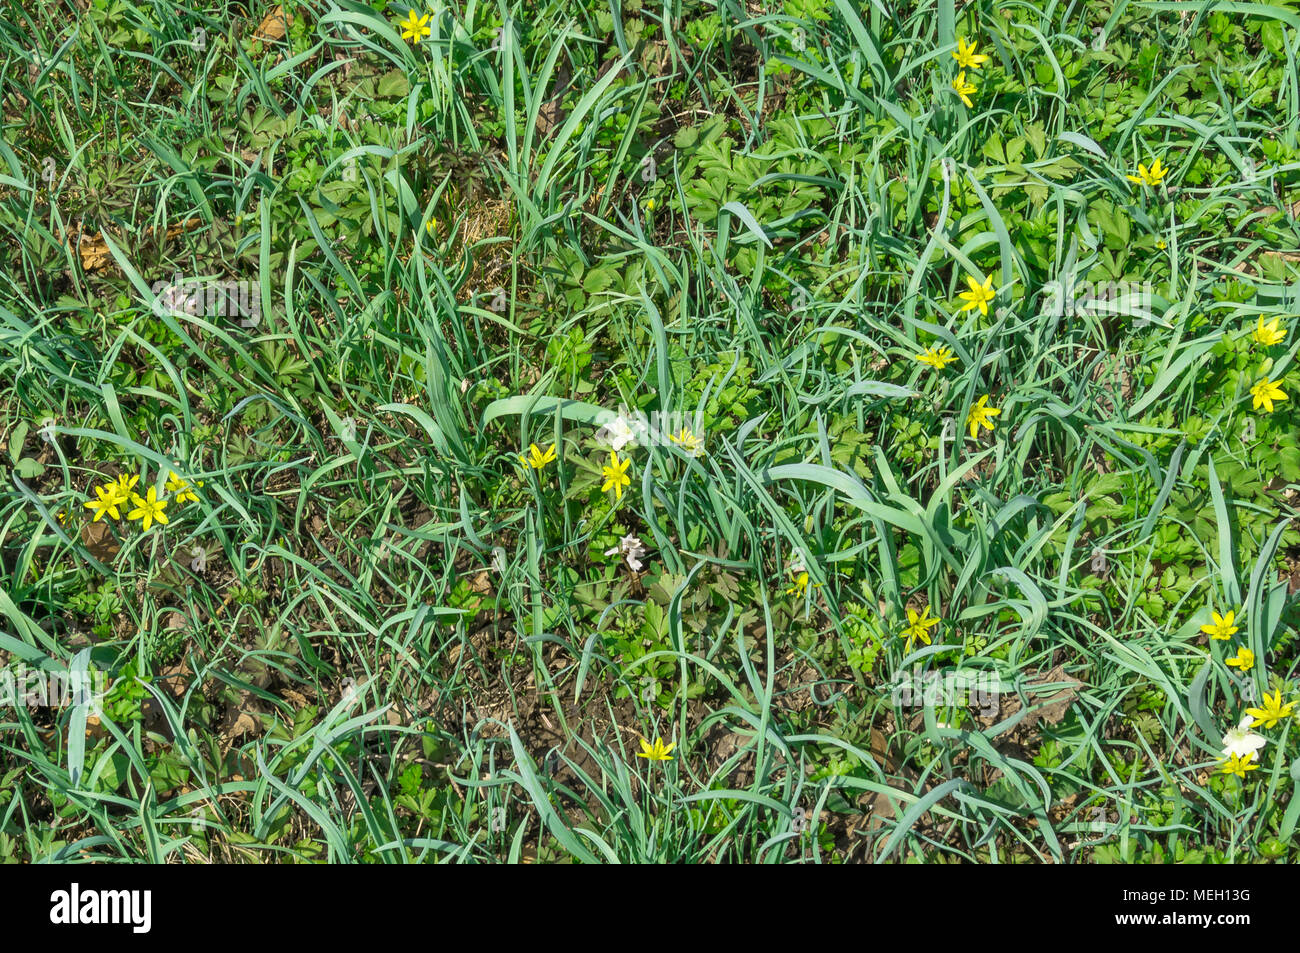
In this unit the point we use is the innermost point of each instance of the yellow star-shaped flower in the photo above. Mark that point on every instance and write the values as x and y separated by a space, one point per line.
979 295
148 509
981 415
106 502
964 89
124 486
938 358
415 28
1222 627
688 440
801 585
1244 659
1149 177
919 626
615 474
966 56
1272 712
535 458
657 751
1264 393
1238 765
1269 334
181 488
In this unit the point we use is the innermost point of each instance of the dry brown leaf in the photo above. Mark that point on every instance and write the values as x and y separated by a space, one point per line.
98 539
878 807
93 251
1058 703
297 699
274 25
238 726
186 226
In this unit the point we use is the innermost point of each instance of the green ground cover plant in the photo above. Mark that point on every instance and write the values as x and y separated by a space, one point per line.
799 431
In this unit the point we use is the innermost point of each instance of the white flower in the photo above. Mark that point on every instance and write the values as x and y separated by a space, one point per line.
632 549
1241 741
616 433
199 558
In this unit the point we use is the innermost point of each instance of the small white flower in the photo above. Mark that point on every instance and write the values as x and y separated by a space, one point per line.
350 692
616 433
199 558
1241 741
632 549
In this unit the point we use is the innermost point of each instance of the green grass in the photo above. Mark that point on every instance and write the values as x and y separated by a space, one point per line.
376 636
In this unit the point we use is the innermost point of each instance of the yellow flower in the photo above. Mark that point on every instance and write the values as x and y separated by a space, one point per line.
649 205
148 509
123 487
801 585
966 56
919 626
981 414
1222 627
657 751
938 358
1244 659
415 29
1264 393
1238 765
687 440
535 458
181 488
964 89
615 474
1272 712
979 295
431 225
1269 334
107 502
1160 244
1151 176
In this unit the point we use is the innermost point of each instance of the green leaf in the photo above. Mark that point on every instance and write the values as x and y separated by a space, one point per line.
27 468
1037 137
16 441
